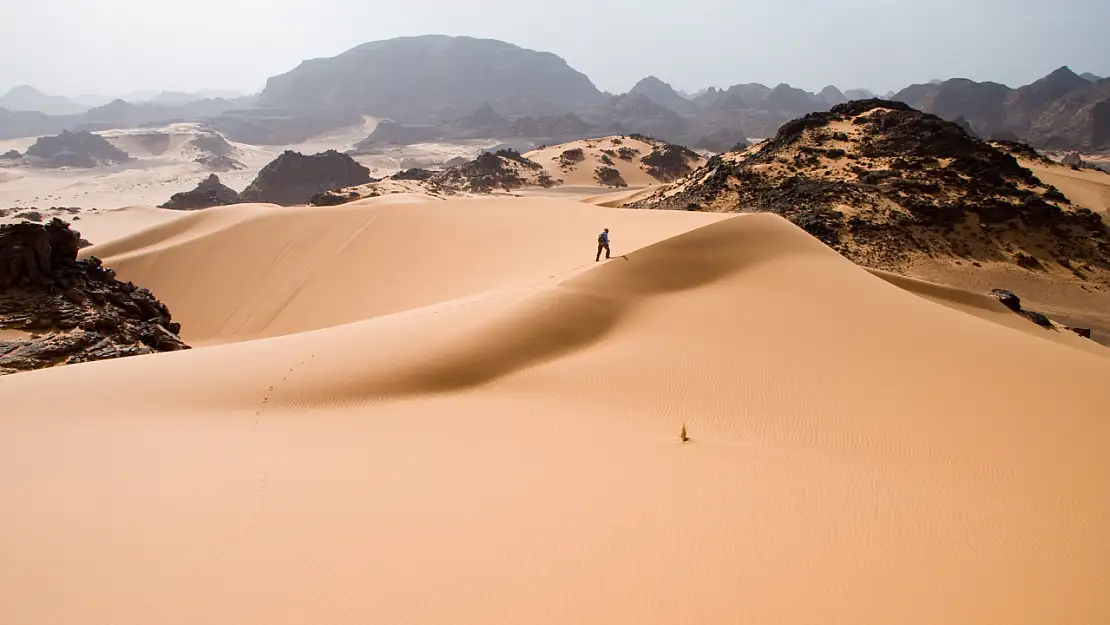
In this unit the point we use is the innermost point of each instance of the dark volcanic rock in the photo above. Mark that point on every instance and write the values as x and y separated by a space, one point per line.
72 310
1083 332
210 192
294 178
667 162
76 149
1008 299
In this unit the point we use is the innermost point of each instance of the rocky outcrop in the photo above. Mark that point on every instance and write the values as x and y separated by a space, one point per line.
10 155
882 182
294 178
434 78
76 149
490 172
66 310
668 162
210 192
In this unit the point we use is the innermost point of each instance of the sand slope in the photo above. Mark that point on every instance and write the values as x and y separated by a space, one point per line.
271 270
860 454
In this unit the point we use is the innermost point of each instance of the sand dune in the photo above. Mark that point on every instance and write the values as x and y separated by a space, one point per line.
272 271
464 419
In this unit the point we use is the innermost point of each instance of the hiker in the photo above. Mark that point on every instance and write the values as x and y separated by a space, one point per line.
602 244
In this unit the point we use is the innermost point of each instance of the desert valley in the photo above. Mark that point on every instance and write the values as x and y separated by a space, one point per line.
349 350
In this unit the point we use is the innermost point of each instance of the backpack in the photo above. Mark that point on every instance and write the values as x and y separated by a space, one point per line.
601 238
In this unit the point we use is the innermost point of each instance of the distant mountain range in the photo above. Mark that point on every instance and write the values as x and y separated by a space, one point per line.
441 87
28 99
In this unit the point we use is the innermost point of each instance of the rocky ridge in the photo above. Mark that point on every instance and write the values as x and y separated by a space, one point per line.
882 182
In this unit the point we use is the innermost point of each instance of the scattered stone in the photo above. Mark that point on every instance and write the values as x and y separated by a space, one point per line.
210 192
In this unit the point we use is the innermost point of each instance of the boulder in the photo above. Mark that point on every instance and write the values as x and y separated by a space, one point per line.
210 192
1072 159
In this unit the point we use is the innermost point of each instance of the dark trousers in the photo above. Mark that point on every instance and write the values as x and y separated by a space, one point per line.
602 246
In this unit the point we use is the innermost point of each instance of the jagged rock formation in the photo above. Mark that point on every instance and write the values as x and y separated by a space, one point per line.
1062 110
434 78
64 310
210 192
881 182
294 178
76 149
10 155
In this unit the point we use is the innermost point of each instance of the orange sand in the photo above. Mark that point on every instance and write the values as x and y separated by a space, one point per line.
457 417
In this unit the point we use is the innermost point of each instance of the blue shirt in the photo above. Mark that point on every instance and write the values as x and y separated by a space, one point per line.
604 237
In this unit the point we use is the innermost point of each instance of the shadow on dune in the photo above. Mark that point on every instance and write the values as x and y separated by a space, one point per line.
584 310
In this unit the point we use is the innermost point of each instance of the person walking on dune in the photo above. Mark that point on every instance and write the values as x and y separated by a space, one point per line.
602 244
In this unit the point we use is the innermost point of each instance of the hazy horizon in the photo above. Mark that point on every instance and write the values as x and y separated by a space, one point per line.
116 47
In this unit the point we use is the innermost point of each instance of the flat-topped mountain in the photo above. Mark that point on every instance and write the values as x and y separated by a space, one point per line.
434 78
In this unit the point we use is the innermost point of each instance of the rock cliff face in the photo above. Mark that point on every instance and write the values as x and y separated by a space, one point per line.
210 192
432 79
58 309
881 182
294 178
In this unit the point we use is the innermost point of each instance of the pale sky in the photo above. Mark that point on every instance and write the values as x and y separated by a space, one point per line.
112 47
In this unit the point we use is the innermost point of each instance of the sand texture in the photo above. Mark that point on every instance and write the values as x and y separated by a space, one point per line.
445 412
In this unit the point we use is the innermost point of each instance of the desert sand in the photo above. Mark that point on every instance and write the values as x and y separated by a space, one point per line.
416 411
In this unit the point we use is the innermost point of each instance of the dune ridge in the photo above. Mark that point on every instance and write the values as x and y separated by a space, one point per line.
487 431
